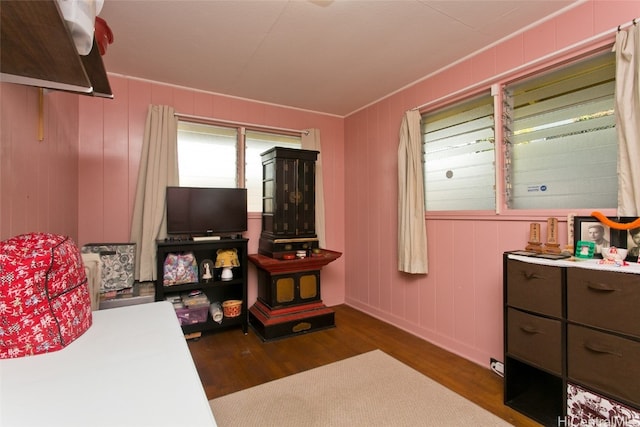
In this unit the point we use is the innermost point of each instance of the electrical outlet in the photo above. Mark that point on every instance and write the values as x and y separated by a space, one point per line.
497 366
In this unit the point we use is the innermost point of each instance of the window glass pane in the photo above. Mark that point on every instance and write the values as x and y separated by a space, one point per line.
256 144
563 144
207 155
459 156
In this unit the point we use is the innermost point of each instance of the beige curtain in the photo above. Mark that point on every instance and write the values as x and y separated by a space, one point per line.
158 169
627 110
412 229
311 141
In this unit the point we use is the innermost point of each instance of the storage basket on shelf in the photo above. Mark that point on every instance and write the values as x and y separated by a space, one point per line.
232 308
192 315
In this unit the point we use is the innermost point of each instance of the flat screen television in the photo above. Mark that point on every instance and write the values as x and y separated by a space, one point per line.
199 211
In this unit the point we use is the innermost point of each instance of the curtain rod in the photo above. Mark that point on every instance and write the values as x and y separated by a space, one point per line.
239 124
560 52
633 21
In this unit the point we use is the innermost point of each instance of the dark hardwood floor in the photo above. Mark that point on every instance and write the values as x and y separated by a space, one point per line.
230 361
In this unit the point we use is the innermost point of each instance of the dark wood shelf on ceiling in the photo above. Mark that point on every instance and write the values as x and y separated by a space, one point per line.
36 49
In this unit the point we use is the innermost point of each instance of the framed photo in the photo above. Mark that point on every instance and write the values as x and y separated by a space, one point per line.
584 249
589 229
632 240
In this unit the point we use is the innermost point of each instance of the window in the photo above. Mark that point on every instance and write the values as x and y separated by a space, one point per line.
207 155
210 156
459 156
562 143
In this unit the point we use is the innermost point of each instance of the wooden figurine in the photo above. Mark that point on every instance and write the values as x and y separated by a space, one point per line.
552 246
534 238
570 234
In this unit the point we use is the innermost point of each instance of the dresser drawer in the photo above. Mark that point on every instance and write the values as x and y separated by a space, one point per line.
605 300
535 339
604 362
534 287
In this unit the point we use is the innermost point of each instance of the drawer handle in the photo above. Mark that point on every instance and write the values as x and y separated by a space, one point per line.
530 275
602 348
600 287
529 329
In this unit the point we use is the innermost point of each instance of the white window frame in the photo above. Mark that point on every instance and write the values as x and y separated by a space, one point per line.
284 137
496 86
462 130
559 108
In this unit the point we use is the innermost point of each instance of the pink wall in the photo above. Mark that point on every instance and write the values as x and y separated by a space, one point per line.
458 305
38 179
111 133
81 181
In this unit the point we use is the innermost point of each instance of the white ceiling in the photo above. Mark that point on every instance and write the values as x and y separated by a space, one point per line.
327 56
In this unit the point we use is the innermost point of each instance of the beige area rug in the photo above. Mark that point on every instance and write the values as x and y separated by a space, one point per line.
372 389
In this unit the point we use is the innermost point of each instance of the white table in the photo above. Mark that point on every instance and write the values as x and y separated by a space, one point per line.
131 368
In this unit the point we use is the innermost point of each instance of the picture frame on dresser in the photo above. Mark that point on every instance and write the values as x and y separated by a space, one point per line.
632 240
584 249
588 229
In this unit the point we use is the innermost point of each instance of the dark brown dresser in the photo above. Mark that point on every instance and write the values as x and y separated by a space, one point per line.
572 341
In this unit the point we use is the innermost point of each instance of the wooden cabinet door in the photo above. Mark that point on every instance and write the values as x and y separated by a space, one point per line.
306 205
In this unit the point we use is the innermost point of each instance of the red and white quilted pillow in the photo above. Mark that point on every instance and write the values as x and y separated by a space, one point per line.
44 297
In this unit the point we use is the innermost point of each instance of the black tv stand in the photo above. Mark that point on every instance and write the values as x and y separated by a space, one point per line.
216 289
